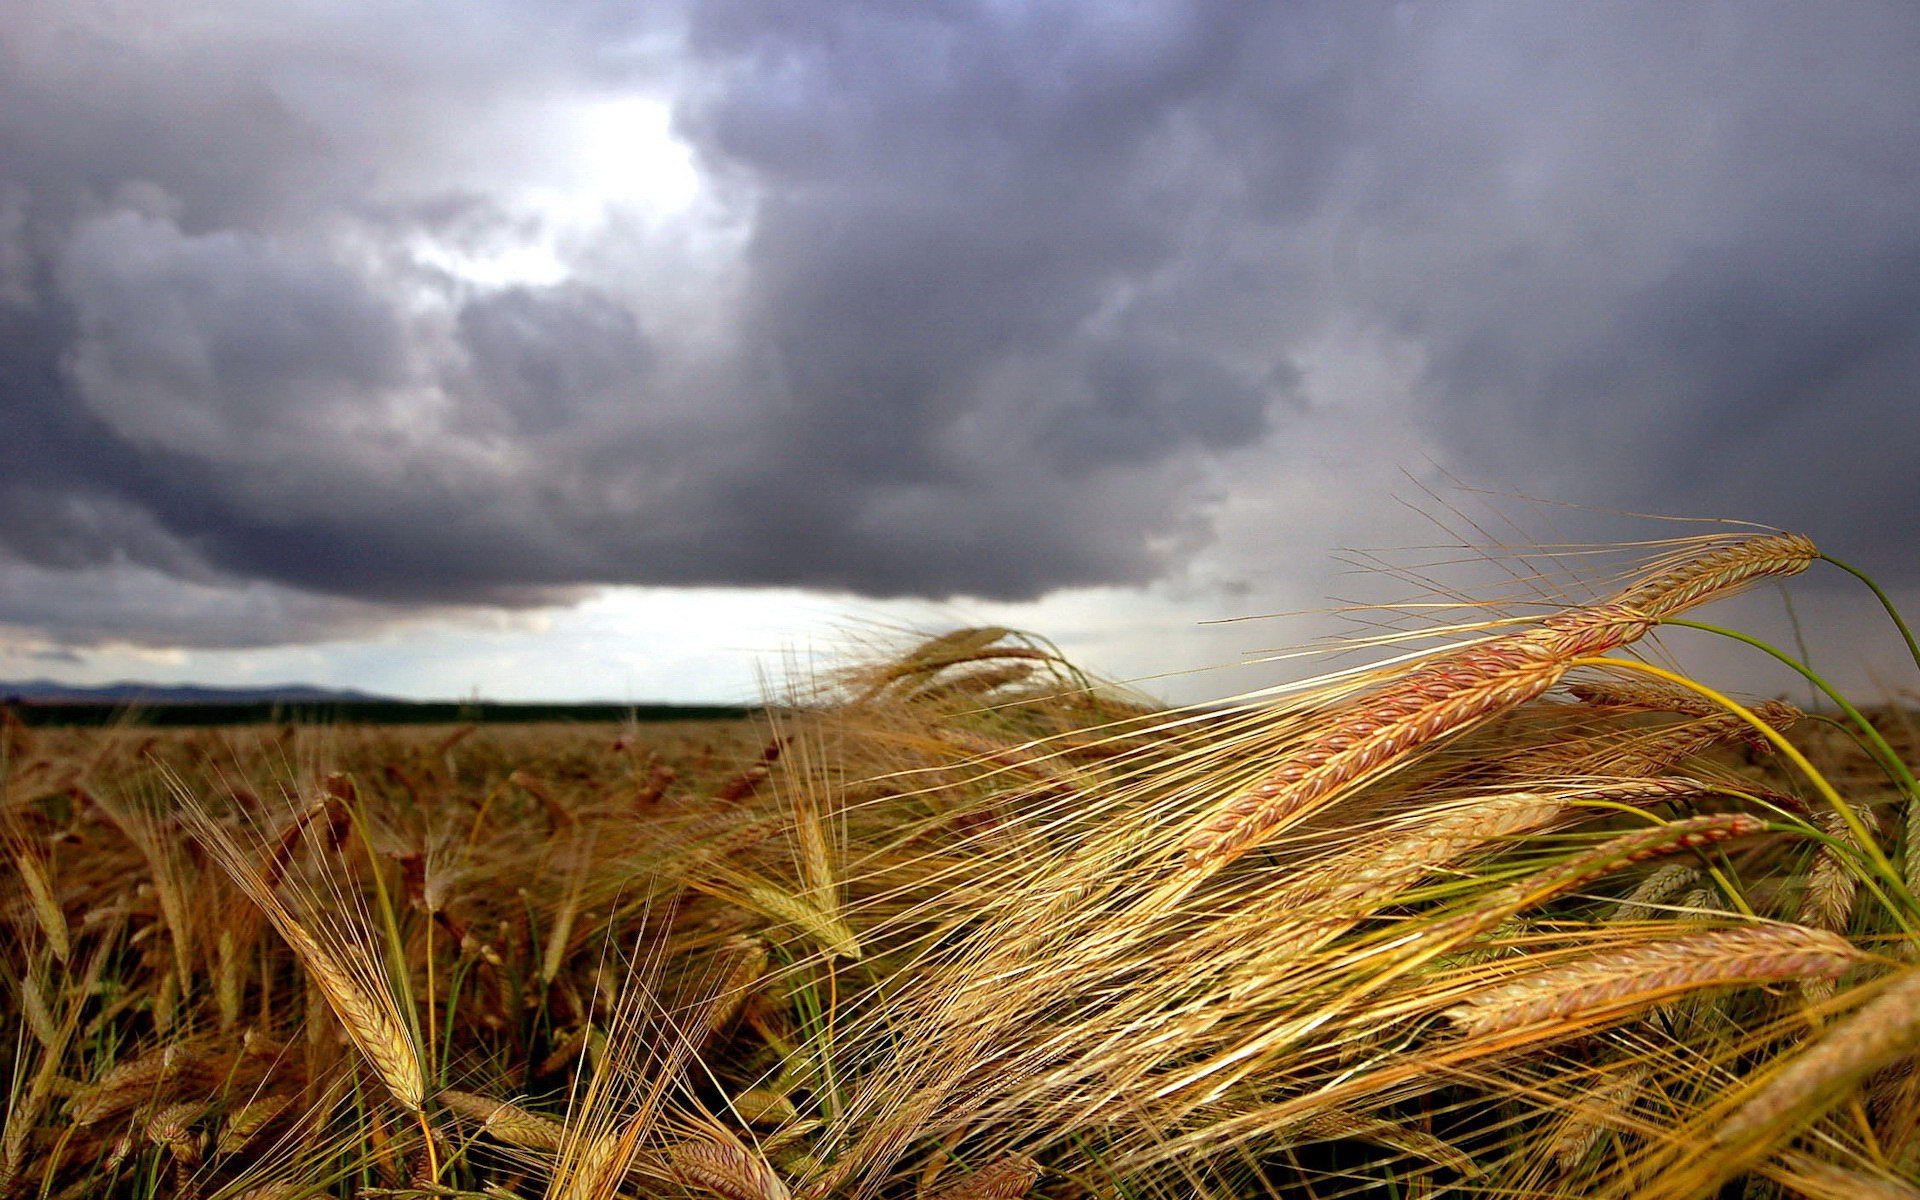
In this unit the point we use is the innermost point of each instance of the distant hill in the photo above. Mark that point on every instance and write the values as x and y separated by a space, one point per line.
43 702
45 691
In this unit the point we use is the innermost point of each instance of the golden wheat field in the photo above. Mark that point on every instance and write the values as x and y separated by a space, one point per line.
1502 907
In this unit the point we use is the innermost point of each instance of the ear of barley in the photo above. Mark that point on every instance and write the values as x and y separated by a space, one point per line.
1599 1111
370 1026
1664 749
1009 1177
171 1126
763 1106
1366 737
1813 1080
590 1168
250 1118
1827 901
507 1121
1338 1124
228 985
743 960
1637 696
352 989
1617 983
40 1022
1673 589
1662 884
725 1169
827 929
46 910
129 1084
1808 1177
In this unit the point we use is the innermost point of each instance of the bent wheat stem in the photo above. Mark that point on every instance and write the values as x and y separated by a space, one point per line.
1790 752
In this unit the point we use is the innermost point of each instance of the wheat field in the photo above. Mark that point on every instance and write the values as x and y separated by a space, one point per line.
1502 906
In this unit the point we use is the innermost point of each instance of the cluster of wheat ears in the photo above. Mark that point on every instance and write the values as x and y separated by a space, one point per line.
1521 914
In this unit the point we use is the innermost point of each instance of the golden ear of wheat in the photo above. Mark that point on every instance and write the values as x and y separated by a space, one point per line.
1459 690
1617 983
1812 1179
507 1121
1812 1081
1009 1177
725 1169
1600 1110
46 909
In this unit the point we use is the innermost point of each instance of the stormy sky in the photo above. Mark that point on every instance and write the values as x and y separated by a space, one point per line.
564 347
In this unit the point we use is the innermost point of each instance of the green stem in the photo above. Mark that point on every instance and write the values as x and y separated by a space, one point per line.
1786 749
1868 737
1886 602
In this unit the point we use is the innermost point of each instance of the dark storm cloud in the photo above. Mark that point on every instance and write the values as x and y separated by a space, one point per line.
979 299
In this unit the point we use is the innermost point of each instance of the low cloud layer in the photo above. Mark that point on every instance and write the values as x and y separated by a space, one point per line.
370 316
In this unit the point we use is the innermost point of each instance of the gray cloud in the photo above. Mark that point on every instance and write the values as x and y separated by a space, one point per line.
977 300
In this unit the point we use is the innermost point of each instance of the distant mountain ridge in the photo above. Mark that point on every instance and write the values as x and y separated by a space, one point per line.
46 691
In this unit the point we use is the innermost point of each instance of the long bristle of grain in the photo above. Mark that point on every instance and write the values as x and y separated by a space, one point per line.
1619 982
